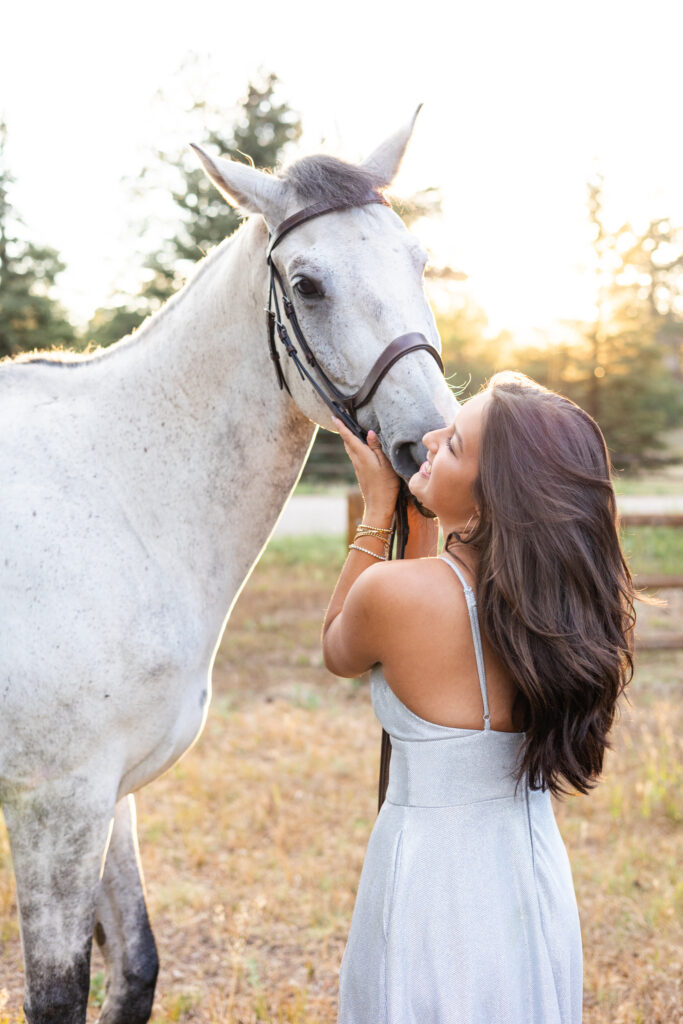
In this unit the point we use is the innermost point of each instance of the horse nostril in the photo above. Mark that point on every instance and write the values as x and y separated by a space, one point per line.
407 457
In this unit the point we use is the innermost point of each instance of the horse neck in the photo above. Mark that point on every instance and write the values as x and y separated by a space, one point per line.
215 446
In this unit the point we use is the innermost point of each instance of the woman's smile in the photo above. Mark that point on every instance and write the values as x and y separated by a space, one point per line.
443 483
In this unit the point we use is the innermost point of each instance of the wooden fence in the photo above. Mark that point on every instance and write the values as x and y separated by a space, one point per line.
656 581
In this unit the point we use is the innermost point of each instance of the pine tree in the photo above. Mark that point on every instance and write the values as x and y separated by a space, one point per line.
30 317
264 127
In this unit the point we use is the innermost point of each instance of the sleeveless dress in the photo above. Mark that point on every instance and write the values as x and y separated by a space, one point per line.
466 912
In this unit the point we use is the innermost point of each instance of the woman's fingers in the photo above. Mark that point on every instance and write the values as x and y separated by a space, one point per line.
374 442
376 477
353 444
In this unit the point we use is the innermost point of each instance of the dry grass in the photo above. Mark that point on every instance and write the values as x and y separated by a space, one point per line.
253 844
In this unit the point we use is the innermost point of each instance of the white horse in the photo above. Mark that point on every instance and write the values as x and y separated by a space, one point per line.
140 484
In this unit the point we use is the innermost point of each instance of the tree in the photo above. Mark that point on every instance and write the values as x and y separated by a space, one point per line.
621 366
29 316
263 129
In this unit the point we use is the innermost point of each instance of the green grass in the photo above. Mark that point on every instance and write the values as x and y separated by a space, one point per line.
669 486
318 551
654 549
330 489
97 989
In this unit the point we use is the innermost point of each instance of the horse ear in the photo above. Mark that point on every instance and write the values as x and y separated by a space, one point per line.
386 159
244 187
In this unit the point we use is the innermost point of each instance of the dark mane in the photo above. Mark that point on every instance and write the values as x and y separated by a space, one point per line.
317 178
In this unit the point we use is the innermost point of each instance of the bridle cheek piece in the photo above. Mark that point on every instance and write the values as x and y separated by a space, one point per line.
343 406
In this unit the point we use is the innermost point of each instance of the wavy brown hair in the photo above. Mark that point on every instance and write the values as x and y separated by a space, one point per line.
554 592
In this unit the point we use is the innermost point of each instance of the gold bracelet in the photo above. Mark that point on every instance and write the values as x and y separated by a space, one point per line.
357 547
369 531
380 529
372 531
375 536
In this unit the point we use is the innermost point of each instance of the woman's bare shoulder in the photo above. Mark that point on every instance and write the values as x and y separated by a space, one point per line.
411 585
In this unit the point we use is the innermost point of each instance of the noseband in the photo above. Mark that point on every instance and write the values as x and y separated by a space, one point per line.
343 406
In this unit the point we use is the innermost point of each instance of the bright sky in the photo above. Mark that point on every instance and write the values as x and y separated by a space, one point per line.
522 101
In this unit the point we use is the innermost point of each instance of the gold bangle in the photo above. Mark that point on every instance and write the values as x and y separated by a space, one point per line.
369 531
375 536
357 547
380 529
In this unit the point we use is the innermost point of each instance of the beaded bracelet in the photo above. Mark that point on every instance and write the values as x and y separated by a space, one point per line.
385 543
369 531
357 547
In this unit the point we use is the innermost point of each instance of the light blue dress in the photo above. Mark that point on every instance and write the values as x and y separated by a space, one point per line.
466 912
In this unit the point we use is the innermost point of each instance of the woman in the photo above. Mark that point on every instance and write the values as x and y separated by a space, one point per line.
497 671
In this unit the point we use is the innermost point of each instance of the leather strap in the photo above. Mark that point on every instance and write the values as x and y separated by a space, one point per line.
398 348
384 763
317 210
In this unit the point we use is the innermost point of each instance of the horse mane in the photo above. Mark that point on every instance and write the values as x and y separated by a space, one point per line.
326 178
70 358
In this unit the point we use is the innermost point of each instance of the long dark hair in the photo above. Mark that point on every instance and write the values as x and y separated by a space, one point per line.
555 594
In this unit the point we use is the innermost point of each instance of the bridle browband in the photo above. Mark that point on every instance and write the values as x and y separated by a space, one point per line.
343 406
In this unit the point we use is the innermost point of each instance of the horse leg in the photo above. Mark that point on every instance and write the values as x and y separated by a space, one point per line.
58 836
122 929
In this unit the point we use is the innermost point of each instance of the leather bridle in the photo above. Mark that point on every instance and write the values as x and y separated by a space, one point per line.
343 406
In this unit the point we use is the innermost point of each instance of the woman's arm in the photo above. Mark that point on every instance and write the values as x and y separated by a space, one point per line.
355 623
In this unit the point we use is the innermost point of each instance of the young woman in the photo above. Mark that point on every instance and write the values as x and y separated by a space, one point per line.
497 668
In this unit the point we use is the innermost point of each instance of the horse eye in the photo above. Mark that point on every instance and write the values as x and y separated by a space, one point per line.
304 286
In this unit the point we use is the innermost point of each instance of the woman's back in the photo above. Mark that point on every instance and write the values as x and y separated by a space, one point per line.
430 664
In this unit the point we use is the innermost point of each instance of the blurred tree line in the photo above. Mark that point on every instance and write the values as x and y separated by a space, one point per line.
624 366
263 130
30 316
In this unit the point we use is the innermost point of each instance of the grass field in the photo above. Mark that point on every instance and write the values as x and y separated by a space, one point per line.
254 842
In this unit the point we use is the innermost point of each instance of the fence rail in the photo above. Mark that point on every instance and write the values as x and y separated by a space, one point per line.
656 581
651 519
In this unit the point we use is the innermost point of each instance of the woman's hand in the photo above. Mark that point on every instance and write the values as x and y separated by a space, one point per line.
377 480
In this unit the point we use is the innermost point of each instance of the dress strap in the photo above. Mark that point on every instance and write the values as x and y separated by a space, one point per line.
476 636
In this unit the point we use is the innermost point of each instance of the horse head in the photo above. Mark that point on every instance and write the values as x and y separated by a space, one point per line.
354 275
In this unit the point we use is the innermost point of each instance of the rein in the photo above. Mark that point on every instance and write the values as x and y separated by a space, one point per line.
343 406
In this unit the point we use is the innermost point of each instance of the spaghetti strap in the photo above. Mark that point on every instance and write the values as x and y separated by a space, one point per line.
476 637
